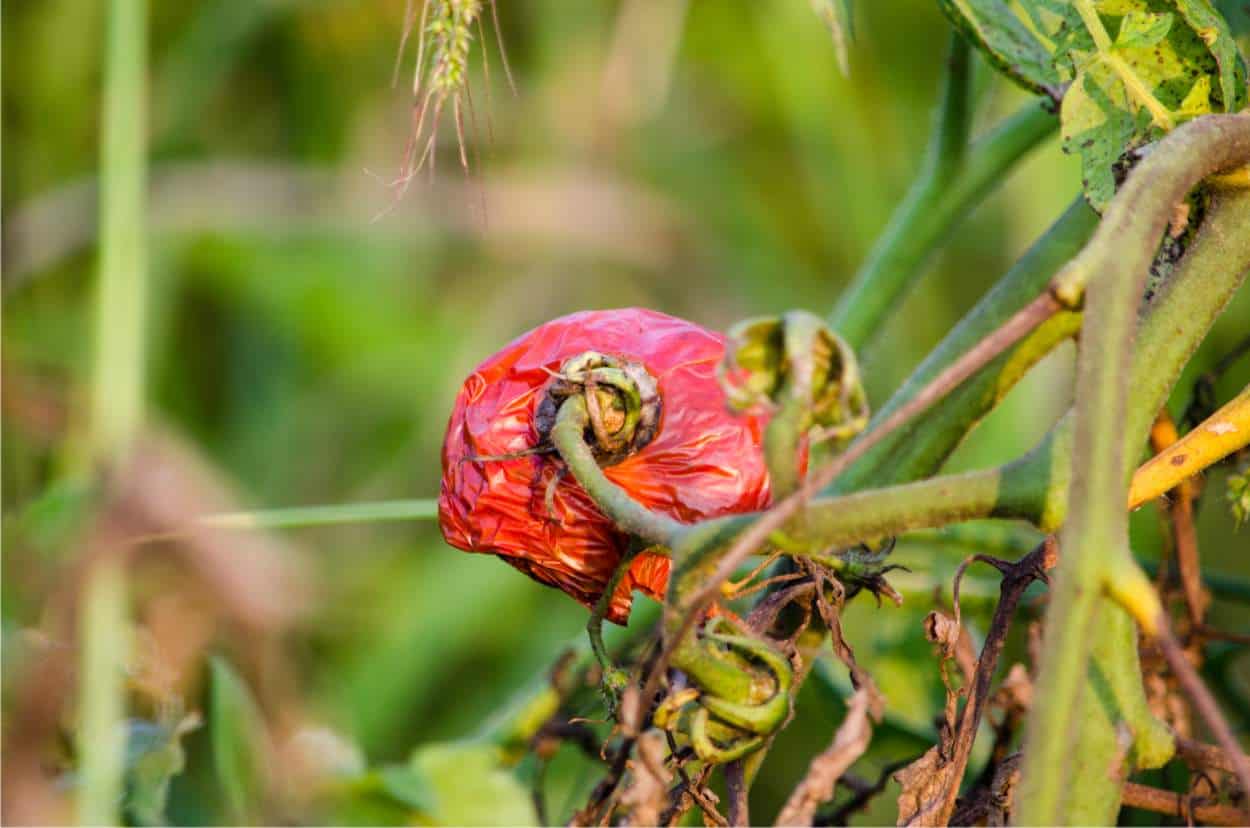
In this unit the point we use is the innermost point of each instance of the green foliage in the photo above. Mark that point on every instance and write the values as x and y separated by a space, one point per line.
1125 71
310 355
237 733
471 787
154 756
838 16
1011 42
388 795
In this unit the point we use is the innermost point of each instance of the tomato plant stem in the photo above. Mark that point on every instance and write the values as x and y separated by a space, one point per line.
954 177
1094 539
919 449
568 435
1221 434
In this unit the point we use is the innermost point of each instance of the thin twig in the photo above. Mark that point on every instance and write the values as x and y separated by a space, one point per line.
1200 755
739 793
647 795
1205 703
604 793
1207 631
1184 534
1181 510
1016 581
1180 805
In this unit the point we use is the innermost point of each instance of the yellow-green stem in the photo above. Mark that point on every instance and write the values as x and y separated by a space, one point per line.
1094 538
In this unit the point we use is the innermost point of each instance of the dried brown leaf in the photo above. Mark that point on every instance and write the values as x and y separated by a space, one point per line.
849 743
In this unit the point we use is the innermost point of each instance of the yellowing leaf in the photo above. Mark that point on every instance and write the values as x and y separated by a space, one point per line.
1143 29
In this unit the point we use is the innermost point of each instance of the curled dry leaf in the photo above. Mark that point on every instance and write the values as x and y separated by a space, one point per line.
925 783
647 795
849 743
942 630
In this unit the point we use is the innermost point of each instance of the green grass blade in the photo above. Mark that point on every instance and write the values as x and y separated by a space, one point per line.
235 729
328 515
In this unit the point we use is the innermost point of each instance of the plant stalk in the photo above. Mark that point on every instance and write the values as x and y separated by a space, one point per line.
953 179
569 438
117 403
1094 539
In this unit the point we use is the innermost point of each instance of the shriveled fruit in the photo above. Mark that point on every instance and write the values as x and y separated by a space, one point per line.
682 453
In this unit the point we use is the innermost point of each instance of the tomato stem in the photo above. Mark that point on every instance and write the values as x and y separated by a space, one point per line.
568 436
1108 432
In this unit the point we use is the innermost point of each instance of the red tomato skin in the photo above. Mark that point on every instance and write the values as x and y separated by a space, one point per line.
705 461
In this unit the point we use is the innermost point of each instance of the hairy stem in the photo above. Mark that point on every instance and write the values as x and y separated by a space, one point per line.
1095 537
1202 699
694 599
1215 266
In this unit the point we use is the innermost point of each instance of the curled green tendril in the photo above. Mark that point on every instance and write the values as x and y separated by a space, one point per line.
741 694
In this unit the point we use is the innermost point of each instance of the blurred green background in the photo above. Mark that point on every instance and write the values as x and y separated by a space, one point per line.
307 330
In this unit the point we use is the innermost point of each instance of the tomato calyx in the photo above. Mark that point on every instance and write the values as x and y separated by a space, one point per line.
772 359
622 401
739 693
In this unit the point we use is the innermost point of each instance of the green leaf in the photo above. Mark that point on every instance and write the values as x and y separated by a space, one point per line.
51 519
471 785
837 16
1096 127
1143 29
1128 92
235 731
1216 33
1237 13
1013 44
408 786
1127 70
1198 101
154 756
389 795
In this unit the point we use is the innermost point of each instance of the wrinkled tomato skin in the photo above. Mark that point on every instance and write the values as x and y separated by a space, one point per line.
704 461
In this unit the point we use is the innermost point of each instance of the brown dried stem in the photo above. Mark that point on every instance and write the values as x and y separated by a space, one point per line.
1204 702
1184 806
1184 533
739 793
932 786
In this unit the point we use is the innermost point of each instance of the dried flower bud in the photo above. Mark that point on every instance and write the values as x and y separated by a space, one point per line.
769 359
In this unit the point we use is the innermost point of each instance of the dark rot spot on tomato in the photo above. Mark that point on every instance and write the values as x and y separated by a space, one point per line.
504 491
